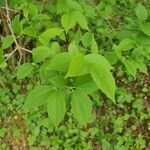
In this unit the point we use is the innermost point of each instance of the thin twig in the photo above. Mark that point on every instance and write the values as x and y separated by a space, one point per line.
112 28
12 33
2 84
18 47
108 22
42 6
9 24
27 50
11 10
11 54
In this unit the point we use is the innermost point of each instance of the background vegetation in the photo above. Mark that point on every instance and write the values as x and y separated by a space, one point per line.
74 74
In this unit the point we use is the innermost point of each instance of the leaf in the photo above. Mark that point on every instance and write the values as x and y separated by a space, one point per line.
58 81
81 107
45 74
2 2
32 9
117 51
89 10
94 46
85 83
104 80
100 72
62 6
1 56
96 98
111 57
29 31
80 19
37 96
49 34
3 65
72 49
7 42
142 67
40 53
78 36
87 39
24 70
55 48
68 21
74 5
145 28
141 12
131 67
77 66
14 3
138 104
60 62
56 107
125 45
92 59
16 25
106 145
67 5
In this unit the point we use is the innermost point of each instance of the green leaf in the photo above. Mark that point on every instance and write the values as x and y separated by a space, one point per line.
77 66
55 48
100 72
58 81
96 98
92 59
40 53
145 27
85 83
130 66
104 80
1 56
7 42
68 21
106 145
16 25
89 10
142 67
32 9
46 74
74 5
72 49
86 39
2 3
3 65
141 12
67 5
24 70
29 31
80 19
111 57
60 62
138 104
78 36
49 34
125 45
37 96
2 132
81 107
117 51
56 107
62 6
94 46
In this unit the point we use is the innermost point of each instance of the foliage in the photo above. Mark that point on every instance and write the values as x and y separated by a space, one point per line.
69 66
